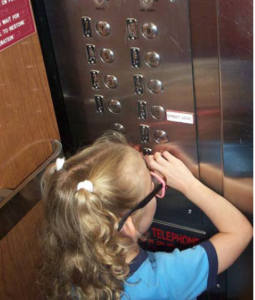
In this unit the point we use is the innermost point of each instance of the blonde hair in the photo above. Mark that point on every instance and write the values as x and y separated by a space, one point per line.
82 245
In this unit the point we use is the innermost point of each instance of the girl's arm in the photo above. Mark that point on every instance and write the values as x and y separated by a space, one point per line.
235 231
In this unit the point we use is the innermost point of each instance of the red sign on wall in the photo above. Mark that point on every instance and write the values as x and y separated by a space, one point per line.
16 21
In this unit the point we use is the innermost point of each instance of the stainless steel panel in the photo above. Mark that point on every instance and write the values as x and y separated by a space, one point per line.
172 43
236 67
204 37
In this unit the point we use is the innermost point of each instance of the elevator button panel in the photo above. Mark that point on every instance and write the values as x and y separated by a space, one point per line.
155 86
114 106
139 84
107 55
150 30
99 103
142 109
132 29
86 24
91 54
158 112
118 127
103 28
160 136
152 59
95 80
135 57
111 81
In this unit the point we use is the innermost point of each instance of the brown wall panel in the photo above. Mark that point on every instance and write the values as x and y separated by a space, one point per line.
27 119
20 259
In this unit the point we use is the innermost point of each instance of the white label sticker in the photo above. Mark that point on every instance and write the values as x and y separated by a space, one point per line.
181 117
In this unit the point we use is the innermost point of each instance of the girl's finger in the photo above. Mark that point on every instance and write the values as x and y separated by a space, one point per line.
154 165
159 159
169 156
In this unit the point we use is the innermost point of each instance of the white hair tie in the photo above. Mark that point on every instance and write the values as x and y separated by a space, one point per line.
86 185
60 163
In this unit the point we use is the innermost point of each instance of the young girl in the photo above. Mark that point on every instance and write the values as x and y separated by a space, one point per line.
100 202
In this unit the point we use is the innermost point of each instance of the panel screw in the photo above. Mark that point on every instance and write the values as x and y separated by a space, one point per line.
172 1
218 286
190 211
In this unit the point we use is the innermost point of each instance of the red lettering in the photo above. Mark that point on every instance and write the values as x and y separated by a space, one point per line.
159 243
169 236
185 240
154 230
160 234
172 238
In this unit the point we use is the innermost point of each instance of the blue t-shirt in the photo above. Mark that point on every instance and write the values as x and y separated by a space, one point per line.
180 275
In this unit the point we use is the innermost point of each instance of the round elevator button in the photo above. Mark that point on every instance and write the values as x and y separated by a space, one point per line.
152 59
118 127
155 86
103 28
160 136
114 106
99 2
158 112
150 30
111 81
146 3
107 55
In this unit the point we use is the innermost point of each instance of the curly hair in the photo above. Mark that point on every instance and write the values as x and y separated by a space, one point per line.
84 252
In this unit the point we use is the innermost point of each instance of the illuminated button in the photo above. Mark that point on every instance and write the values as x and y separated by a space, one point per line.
152 59
107 55
111 81
150 30
103 28
160 136
114 106
99 2
158 112
118 127
155 86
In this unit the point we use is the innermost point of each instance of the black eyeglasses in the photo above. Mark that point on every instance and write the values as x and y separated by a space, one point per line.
159 191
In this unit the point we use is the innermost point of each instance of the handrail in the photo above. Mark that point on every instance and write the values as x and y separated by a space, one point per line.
7 194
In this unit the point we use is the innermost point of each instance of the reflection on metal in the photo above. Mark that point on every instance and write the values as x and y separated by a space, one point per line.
103 28
118 127
236 73
149 30
160 136
20 201
223 88
155 86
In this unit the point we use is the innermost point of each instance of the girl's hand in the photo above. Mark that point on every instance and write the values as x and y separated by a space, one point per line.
177 175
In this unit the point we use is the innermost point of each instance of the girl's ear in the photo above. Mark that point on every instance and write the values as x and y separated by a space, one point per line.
129 228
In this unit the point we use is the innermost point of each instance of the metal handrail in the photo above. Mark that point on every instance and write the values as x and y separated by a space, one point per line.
7 194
